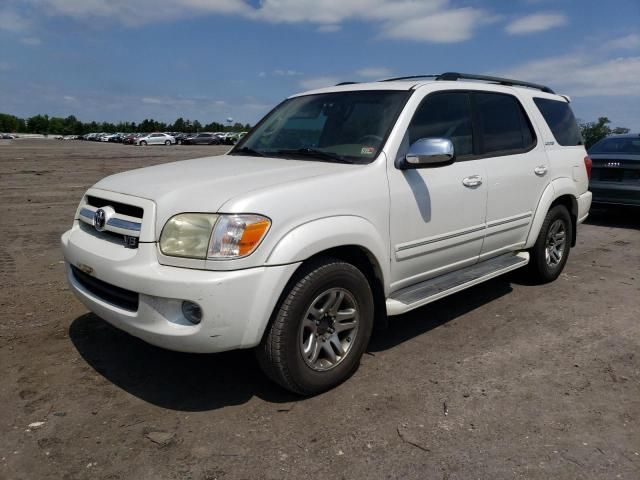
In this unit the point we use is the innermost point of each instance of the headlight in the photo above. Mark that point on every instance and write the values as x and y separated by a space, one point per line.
187 235
237 236
202 235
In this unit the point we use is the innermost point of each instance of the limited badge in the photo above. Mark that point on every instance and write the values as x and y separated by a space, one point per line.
367 151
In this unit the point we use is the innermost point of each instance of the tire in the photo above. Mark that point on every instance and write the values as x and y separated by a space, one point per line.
551 250
300 323
143 143
167 143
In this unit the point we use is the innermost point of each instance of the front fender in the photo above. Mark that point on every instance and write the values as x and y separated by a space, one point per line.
316 236
556 189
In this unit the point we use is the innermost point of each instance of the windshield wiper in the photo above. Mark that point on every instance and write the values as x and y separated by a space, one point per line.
247 151
313 152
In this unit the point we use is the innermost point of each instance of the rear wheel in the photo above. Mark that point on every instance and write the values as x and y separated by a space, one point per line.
320 329
551 250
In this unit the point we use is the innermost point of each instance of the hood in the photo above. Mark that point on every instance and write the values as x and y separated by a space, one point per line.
205 184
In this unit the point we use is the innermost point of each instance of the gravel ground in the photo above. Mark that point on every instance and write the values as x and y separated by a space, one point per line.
506 380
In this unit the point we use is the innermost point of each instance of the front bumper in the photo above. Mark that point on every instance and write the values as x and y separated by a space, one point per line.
615 193
236 305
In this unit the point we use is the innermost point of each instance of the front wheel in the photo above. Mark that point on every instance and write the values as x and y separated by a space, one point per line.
320 329
167 143
551 250
143 143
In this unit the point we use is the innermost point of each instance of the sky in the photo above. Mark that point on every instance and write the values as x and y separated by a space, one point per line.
126 60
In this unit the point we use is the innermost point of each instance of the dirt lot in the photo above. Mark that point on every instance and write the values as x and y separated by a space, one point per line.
506 380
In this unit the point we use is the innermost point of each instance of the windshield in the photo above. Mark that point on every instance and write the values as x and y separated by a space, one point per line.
620 145
343 126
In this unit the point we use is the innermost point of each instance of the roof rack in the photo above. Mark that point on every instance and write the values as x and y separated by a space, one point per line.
453 76
410 77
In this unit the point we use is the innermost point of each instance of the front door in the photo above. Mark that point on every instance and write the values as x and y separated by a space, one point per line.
437 214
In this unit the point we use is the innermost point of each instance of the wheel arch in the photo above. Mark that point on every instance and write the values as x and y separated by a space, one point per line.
352 239
561 191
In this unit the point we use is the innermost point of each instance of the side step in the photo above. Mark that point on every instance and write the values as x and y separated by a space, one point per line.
433 289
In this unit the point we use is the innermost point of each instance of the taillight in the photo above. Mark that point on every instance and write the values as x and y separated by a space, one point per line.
587 164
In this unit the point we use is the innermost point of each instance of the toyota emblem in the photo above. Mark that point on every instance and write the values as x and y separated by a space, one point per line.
99 219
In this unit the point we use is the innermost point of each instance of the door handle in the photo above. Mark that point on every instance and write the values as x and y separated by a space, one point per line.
540 170
472 181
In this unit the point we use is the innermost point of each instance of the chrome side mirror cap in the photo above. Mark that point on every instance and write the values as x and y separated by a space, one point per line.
429 152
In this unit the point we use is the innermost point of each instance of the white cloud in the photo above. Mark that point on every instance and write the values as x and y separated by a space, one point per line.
11 21
373 72
537 22
421 20
313 83
628 42
581 75
329 28
136 12
152 101
31 41
440 27
287 73
70 98
174 102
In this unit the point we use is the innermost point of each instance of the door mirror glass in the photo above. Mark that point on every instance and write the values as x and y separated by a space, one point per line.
427 152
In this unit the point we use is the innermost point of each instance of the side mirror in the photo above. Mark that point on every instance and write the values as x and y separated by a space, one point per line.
428 152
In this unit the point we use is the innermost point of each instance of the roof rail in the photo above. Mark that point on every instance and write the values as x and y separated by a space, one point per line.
453 76
345 83
410 77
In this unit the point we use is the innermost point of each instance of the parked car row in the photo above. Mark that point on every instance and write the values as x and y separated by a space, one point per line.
7 136
162 138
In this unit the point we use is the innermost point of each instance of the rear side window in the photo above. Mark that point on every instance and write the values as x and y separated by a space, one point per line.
502 124
561 121
446 115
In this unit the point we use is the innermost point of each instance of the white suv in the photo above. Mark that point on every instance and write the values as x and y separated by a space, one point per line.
343 206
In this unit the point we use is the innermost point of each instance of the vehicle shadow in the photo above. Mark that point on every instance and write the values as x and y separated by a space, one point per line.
424 319
173 380
614 216
202 382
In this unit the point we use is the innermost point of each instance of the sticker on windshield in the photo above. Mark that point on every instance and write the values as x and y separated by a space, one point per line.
367 151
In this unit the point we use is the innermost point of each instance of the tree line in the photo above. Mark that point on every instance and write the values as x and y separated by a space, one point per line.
70 125
592 132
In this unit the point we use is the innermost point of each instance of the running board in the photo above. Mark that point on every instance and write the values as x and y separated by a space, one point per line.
433 289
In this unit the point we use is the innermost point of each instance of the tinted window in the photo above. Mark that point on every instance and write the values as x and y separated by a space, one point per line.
444 115
619 145
502 124
561 121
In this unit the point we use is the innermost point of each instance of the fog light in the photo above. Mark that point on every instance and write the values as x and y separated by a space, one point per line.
192 312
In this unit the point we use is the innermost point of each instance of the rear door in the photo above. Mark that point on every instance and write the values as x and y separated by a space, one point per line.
517 169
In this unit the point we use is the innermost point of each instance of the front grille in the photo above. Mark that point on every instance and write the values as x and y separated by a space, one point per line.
120 297
122 223
121 208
